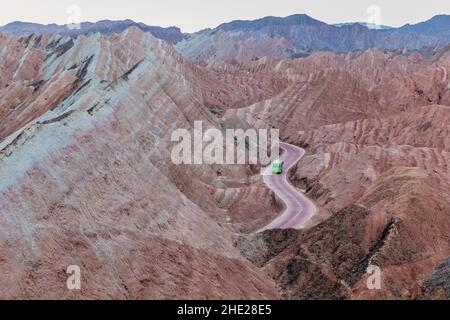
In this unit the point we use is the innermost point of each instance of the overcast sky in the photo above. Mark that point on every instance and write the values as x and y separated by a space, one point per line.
194 15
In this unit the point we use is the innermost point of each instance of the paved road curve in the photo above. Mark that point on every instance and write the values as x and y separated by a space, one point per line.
299 209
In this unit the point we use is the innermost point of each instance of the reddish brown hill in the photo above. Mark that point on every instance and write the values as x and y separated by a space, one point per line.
396 170
400 225
377 164
326 88
85 127
87 178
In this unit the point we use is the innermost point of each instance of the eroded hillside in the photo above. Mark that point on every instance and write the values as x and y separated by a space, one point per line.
87 177
377 163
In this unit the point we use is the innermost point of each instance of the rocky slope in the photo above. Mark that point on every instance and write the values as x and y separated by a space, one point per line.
87 178
327 88
378 166
386 188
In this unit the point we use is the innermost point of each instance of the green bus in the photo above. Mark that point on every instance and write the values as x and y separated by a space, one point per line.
277 167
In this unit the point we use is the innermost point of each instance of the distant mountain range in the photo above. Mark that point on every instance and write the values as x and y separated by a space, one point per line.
106 27
289 37
300 35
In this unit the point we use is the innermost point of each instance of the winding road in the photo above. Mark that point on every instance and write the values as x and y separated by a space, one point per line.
299 209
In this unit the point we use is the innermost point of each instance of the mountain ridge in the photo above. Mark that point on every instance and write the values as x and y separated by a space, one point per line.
275 37
170 34
299 35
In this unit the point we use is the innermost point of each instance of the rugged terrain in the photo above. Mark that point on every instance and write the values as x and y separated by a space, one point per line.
378 166
86 175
